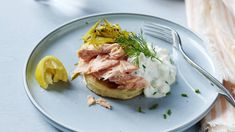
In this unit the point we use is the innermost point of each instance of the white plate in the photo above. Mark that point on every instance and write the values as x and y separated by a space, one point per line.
65 104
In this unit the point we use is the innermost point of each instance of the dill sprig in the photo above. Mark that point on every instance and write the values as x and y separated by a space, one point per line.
134 45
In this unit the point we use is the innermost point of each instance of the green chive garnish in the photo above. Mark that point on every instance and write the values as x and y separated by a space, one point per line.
144 67
168 112
140 109
154 106
168 93
197 91
164 116
154 93
171 61
184 95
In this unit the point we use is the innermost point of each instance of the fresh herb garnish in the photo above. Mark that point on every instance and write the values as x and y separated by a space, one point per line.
171 61
197 91
86 22
164 116
168 93
134 45
144 67
154 106
154 93
140 109
136 60
212 84
184 95
166 82
76 64
168 112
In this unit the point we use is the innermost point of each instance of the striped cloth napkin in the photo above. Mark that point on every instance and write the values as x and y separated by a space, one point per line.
215 20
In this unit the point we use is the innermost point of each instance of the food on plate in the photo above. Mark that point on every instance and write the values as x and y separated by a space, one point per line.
90 100
103 33
108 73
50 70
160 74
104 103
120 64
101 101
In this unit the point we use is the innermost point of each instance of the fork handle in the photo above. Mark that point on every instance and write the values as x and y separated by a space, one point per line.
222 90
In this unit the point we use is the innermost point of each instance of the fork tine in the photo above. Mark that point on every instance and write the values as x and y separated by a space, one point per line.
163 32
158 27
158 31
158 35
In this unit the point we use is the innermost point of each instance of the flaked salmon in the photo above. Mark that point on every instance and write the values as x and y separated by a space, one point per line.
129 81
82 67
108 62
115 51
102 102
135 82
91 100
87 52
101 62
122 68
97 64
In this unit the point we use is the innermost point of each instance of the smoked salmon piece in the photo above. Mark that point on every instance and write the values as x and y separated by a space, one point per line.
108 62
101 62
82 67
115 51
129 81
87 52
122 68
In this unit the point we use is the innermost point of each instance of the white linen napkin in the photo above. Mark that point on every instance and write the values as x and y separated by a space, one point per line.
215 20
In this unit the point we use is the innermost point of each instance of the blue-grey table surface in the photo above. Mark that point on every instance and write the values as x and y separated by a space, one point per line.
24 22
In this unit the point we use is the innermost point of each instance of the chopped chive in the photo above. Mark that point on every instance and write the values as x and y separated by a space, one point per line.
76 64
140 109
154 93
154 106
168 112
168 93
166 82
184 95
197 91
86 22
212 84
144 67
171 61
164 116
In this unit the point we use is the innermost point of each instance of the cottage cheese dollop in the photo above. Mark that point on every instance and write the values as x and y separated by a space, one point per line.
159 74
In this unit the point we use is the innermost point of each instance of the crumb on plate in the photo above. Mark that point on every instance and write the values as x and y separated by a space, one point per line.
103 103
90 100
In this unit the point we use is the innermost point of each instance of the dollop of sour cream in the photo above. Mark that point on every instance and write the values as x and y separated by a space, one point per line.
160 74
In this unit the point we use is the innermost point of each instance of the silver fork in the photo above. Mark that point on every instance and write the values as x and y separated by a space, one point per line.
171 36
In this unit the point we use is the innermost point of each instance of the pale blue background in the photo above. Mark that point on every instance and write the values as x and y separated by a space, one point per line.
24 22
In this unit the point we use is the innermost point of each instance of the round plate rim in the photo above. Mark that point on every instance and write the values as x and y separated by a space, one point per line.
61 126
